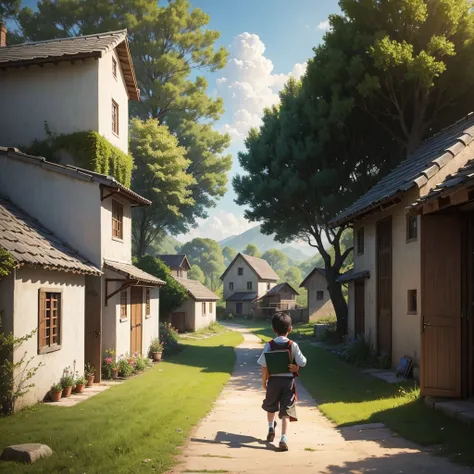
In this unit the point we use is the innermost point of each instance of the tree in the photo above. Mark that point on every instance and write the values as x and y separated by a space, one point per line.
172 295
195 273
293 276
161 176
276 259
207 254
252 250
8 9
229 254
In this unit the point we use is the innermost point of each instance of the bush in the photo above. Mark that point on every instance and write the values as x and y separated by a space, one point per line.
169 339
126 366
361 353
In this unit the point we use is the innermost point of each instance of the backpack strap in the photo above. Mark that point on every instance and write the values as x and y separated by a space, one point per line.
273 345
290 349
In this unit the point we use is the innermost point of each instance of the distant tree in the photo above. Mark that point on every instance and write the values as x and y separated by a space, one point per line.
229 254
195 273
252 250
8 9
172 295
293 276
277 259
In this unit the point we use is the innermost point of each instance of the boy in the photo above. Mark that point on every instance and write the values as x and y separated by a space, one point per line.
280 388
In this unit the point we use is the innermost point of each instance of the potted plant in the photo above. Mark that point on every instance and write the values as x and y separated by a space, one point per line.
156 349
80 384
56 392
109 366
67 382
89 374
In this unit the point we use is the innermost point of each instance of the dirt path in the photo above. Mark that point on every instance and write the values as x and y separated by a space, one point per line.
231 438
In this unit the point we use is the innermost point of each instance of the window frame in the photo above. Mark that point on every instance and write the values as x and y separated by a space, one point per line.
408 228
231 286
210 307
114 67
249 286
410 308
240 271
123 295
119 221
269 286
147 303
318 293
360 241
115 123
203 309
46 349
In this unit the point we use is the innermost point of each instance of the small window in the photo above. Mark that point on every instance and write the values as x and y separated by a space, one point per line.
231 285
268 286
49 321
249 285
412 302
147 303
204 308
360 241
115 117
240 271
123 304
210 308
412 228
114 67
320 295
179 273
117 220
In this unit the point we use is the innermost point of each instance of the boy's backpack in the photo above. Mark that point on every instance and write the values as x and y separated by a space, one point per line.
285 346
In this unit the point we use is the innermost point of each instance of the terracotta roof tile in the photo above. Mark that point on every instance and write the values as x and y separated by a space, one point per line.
197 290
132 272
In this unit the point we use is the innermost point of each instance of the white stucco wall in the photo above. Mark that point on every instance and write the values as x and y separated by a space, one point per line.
318 308
204 320
65 96
111 88
67 206
28 282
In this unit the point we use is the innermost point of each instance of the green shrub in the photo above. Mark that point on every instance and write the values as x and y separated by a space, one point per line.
169 339
125 366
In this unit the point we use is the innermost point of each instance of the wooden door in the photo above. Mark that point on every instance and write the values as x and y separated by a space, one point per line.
238 308
136 319
384 287
178 321
93 324
359 310
441 306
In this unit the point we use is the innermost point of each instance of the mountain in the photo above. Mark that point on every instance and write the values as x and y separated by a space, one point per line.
295 254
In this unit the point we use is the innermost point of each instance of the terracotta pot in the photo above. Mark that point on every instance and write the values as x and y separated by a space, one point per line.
156 356
114 373
67 392
90 380
80 388
55 395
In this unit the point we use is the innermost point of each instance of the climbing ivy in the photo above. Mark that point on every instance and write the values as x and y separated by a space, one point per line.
89 150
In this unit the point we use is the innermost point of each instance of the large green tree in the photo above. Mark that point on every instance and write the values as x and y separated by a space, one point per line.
252 250
229 254
276 259
9 9
195 273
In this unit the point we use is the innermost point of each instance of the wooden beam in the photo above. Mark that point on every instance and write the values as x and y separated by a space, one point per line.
460 197
431 206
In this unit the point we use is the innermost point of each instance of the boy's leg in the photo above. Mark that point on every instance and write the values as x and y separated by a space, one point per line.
271 427
285 421
287 411
270 405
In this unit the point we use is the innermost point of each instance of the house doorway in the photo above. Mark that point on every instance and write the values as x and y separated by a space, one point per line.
359 310
238 308
384 287
93 324
136 319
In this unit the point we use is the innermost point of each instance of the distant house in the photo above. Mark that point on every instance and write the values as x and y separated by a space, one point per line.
245 280
319 300
178 264
281 297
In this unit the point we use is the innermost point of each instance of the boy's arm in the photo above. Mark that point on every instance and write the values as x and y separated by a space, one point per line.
264 377
299 358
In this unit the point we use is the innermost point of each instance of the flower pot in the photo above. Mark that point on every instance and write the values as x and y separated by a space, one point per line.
67 392
80 388
114 373
55 395
156 356
90 380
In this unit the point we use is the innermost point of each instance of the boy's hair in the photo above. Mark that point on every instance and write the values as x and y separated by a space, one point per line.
281 323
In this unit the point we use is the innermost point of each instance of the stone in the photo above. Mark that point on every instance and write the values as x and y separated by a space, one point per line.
26 453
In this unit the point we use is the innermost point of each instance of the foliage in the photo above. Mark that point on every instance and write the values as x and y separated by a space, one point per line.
9 9
169 339
362 354
161 176
172 295
89 370
155 346
141 363
164 244
252 250
67 379
125 365
57 387
276 259
7 263
207 254
109 364
90 150
195 273
80 380
229 254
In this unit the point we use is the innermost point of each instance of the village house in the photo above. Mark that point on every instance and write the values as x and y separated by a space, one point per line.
199 310
281 297
319 300
245 280
410 292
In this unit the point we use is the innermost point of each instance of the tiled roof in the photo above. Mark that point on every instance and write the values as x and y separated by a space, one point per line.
78 173
131 272
321 271
432 155
73 48
30 243
276 289
243 296
261 267
352 276
197 290
175 261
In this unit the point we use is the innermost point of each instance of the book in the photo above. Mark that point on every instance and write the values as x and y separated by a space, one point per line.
278 362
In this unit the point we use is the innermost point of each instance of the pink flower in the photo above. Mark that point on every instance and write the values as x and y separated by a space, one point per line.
108 360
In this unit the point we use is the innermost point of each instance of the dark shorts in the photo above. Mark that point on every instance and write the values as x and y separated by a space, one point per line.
280 397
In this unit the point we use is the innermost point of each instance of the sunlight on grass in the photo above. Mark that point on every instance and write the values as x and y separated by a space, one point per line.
121 429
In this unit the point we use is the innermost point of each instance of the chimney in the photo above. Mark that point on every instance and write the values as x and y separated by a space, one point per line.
3 35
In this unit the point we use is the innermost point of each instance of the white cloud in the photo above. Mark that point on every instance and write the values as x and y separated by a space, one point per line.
218 227
324 25
248 84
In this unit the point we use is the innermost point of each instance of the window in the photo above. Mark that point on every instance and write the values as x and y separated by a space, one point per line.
114 67
179 273
49 321
412 228
115 117
249 285
320 295
204 309
210 308
360 241
240 271
147 303
117 220
268 286
231 285
412 302
123 304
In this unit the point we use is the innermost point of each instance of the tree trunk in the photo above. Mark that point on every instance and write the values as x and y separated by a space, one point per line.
338 301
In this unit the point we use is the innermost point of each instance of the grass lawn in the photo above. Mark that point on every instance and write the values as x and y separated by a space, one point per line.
348 397
136 427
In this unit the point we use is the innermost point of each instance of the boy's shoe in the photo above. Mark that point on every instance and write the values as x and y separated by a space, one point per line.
271 433
283 444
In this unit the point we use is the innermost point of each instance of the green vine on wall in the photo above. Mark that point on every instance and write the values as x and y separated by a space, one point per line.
89 150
